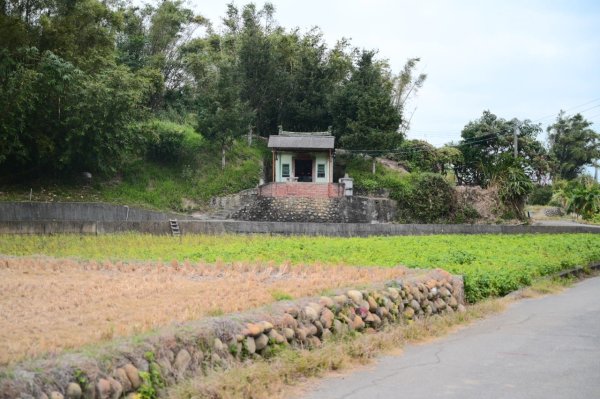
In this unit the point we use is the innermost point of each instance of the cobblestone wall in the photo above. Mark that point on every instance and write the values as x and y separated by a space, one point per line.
166 358
321 210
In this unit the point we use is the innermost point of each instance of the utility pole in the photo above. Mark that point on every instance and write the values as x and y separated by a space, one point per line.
516 141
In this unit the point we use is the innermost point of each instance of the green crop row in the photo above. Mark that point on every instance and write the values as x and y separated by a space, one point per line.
491 264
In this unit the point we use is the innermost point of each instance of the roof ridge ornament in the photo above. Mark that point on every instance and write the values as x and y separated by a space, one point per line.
303 134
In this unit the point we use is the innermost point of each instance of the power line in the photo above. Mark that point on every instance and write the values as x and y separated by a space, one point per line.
474 140
585 110
593 116
446 132
420 149
570 109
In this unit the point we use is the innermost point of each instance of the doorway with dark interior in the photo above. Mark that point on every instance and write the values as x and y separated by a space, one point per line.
303 170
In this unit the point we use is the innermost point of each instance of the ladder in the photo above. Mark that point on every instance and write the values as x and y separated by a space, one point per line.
174 227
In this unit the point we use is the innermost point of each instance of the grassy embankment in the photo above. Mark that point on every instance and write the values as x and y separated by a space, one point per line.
492 264
187 177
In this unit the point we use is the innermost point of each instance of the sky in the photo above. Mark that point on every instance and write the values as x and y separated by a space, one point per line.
518 59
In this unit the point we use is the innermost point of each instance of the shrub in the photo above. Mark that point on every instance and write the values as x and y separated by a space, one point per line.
423 198
513 187
541 195
464 213
167 141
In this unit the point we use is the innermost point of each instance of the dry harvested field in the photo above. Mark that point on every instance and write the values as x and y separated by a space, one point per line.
49 304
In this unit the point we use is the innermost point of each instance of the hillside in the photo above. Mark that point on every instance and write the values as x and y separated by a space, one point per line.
181 176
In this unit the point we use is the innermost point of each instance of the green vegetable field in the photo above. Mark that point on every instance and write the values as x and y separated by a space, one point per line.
492 264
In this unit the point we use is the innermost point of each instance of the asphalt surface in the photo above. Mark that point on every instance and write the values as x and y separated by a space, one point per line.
546 347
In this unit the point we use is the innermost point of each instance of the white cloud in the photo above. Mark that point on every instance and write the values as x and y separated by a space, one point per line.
524 59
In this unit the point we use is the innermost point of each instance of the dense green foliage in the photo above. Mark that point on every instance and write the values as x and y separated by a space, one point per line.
185 185
491 264
364 117
513 188
168 142
421 197
573 144
580 196
541 195
79 79
488 142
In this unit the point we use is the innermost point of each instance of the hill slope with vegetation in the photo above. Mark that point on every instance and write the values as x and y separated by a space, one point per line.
155 98
154 101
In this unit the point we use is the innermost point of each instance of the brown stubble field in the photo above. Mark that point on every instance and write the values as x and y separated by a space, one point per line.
49 304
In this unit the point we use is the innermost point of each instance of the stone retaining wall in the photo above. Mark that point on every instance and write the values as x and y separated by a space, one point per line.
319 210
164 359
234 201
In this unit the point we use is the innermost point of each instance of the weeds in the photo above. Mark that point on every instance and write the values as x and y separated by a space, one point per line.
281 296
546 286
215 312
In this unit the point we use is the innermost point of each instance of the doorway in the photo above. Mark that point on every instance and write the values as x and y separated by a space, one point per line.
303 170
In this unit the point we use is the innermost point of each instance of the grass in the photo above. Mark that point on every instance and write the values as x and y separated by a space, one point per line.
281 295
54 304
185 185
493 265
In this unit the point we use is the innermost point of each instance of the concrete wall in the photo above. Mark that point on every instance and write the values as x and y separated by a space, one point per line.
278 228
77 211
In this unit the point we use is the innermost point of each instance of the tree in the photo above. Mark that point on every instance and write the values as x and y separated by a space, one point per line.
406 85
573 144
262 86
222 115
448 157
364 116
487 139
156 40
65 106
419 155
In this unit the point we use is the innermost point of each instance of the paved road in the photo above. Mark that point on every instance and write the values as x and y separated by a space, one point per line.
539 348
562 223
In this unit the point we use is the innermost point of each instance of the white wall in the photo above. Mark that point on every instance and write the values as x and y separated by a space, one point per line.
288 157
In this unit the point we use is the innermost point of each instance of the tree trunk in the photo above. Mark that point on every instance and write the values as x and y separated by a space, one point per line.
374 164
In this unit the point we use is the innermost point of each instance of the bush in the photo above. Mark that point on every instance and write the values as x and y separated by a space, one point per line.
541 195
423 198
464 214
513 188
167 142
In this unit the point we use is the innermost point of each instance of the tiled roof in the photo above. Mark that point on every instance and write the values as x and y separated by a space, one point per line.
302 142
